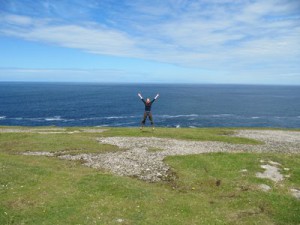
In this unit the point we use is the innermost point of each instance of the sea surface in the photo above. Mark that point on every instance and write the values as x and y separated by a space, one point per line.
179 105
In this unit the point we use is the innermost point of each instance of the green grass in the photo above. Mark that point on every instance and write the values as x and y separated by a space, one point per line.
84 142
219 178
153 149
72 143
206 189
40 190
195 134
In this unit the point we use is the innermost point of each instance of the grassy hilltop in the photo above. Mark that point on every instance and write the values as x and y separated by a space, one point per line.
207 189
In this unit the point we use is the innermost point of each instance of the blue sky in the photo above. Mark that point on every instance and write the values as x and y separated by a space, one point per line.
169 41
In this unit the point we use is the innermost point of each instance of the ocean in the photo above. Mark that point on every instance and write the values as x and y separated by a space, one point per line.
179 105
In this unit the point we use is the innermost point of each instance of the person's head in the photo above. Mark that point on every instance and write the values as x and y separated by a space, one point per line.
147 100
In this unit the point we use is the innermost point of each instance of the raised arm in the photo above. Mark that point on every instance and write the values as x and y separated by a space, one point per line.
155 98
139 94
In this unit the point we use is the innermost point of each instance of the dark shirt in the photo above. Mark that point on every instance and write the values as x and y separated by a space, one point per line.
148 105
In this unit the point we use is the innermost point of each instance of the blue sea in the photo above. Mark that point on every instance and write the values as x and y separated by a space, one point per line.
179 105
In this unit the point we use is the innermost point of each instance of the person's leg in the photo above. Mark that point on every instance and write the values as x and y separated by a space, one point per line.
151 119
144 120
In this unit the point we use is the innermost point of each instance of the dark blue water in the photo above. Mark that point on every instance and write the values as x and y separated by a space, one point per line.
78 104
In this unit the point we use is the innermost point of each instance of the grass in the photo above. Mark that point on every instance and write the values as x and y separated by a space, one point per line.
153 149
219 178
72 143
195 134
84 142
208 189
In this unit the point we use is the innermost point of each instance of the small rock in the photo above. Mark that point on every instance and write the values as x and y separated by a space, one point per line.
264 187
295 193
286 169
271 172
274 163
120 220
243 170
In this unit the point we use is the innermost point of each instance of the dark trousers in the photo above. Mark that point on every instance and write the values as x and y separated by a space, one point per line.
147 114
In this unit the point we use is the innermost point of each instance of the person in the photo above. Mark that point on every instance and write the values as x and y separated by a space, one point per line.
147 112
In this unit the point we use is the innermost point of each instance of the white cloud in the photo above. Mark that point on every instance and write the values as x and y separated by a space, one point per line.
89 38
67 75
214 35
17 20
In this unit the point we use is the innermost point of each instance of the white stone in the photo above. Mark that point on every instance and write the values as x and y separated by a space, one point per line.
295 193
274 163
264 187
271 172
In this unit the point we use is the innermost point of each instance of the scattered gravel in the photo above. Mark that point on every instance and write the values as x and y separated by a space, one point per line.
139 161
275 140
50 154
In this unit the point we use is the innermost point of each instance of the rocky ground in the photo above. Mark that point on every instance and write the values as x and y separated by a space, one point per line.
143 156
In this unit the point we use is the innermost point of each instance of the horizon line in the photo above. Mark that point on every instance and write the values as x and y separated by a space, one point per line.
146 83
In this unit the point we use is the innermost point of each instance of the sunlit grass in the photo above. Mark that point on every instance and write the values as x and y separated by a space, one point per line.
40 190
202 189
196 134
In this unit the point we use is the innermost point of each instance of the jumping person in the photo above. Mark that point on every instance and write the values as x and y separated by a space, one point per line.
147 112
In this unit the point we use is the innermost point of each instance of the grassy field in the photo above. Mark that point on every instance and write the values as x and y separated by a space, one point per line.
85 142
208 189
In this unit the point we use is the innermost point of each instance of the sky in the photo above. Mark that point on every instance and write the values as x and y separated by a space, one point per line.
157 41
